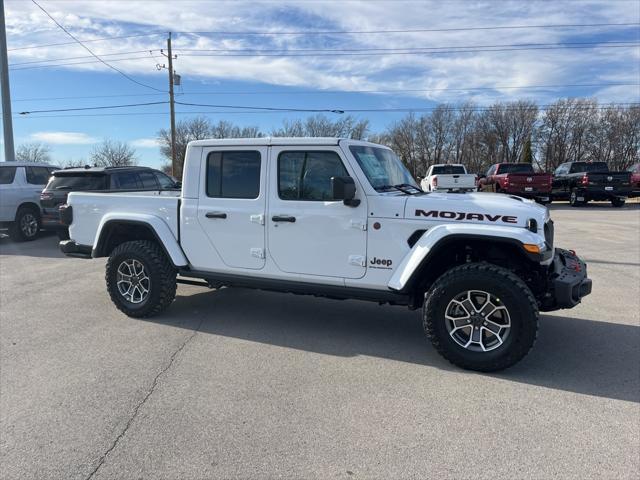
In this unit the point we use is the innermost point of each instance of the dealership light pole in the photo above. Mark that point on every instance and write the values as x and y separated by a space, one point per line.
6 94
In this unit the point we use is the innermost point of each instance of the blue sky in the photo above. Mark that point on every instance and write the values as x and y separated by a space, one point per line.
295 81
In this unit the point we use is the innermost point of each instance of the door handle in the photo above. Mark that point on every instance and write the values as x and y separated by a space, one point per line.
215 215
283 218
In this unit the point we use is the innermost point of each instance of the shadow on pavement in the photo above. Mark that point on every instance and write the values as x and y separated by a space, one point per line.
571 354
45 246
600 206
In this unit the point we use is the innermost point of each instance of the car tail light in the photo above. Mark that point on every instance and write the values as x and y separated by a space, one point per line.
46 196
434 182
585 179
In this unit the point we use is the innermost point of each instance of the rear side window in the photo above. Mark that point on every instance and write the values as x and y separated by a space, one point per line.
233 174
148 180
125 181
307 175
38 175
448 170
7 174
80 182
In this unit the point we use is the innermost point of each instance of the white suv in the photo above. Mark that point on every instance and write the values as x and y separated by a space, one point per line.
20 187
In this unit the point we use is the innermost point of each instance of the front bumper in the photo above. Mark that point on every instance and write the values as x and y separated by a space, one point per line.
567 282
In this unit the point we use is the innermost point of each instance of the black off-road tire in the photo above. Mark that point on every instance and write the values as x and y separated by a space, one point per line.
159 269
573 199
17 230
513 294
618 202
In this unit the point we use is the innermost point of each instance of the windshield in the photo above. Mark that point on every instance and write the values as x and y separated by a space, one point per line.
516 168
382 167
77 182
448 170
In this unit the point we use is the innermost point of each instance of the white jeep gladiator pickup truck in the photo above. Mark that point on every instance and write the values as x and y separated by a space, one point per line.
341 219
447 177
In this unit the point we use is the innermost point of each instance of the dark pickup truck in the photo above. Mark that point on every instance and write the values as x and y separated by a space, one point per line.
517 179
580 182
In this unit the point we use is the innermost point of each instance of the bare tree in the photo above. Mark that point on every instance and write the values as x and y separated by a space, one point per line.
322 126
33 152
113 153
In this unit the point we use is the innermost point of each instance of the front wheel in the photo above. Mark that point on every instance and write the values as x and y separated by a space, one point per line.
481 317
141 280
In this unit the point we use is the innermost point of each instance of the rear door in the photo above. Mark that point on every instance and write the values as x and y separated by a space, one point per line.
9 194
309 232
231 209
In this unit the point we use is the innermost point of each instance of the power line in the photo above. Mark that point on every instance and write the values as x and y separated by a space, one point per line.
84 41
81 57
335 92
332 54
408 52
91 52
541 108
101 107
448 47
84 63
416 30
338 32
374 50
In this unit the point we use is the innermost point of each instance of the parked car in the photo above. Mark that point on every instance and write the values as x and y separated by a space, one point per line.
580 182
635 180
20 187
446 177
342 219
517 179
96 179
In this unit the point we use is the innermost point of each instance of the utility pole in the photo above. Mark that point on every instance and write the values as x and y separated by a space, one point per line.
9 153
171 108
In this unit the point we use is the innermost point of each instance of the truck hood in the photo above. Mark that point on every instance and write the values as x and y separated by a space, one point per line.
478 208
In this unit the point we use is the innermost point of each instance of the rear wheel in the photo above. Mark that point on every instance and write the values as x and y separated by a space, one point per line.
26 225
141 280
576 199
618 202
481 317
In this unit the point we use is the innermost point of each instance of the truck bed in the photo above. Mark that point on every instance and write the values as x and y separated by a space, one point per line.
92 208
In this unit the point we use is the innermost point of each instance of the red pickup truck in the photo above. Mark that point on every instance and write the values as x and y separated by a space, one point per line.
517 179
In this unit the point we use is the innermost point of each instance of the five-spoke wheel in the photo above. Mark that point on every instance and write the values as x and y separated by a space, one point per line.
477 320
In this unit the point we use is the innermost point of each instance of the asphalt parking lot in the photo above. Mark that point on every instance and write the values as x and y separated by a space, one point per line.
247 384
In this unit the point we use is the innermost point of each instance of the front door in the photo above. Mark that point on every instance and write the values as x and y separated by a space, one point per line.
309 232
232 207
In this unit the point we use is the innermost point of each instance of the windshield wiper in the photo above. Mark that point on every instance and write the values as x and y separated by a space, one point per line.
401 187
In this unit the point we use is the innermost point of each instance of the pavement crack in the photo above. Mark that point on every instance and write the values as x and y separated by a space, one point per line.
140 404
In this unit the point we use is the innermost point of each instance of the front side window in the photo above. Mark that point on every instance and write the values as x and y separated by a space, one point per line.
148 180
7 174
492 170
381 166
38 175
165 181
233 174
306 175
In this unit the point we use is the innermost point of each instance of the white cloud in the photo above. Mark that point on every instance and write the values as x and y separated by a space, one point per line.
63 138
91 19
145 143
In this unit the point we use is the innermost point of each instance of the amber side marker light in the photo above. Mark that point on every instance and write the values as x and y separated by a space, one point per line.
531 248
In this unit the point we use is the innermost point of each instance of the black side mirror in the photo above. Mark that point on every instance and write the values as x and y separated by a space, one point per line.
344 188
178 185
